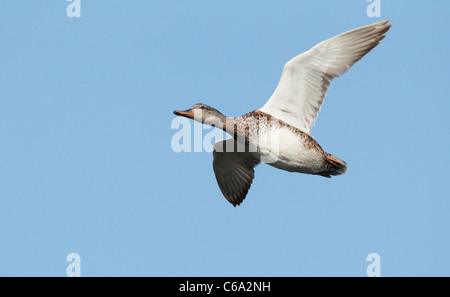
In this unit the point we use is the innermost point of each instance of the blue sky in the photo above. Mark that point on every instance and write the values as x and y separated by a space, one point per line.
86 164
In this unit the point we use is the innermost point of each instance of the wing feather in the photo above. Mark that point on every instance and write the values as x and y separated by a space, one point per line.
234 170
306 78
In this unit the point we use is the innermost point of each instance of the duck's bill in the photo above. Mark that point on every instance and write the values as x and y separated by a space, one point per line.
187 113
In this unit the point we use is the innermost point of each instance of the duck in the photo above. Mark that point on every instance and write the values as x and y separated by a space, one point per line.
279 133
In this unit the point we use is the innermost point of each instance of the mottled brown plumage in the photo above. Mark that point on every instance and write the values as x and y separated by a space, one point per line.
264 121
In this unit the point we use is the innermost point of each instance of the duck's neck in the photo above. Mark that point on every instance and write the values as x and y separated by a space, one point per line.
222 122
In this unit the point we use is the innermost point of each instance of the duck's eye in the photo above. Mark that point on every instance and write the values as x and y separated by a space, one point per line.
202 107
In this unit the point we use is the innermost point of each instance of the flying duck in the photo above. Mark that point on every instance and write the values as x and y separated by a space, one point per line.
279 133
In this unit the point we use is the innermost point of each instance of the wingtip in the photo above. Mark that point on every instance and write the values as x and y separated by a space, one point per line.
383 23
234 202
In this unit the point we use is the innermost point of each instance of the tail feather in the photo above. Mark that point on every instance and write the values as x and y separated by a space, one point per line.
335 166
338 165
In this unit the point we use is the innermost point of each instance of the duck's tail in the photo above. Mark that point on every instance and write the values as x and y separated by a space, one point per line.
335 166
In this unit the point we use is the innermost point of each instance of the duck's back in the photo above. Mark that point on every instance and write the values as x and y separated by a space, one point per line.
284 146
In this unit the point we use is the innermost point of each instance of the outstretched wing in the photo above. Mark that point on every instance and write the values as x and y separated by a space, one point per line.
306 78
234 170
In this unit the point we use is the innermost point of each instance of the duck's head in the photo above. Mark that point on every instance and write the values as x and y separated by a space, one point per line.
204 114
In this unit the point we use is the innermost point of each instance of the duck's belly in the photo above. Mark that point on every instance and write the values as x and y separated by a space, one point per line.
291 151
